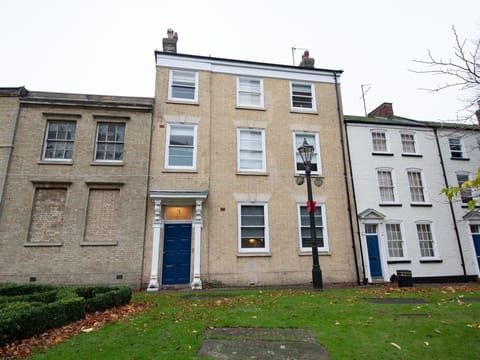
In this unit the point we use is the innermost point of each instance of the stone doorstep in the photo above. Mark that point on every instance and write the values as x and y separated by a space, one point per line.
261 343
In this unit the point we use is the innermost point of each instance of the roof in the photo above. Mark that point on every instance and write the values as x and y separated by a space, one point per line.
247 62
401 121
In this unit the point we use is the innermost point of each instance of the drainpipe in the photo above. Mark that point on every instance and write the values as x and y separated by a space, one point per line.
147 199
342 143
451 206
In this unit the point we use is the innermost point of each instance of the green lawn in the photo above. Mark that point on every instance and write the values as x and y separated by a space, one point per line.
346 324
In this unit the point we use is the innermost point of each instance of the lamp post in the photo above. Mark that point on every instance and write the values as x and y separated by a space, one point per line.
306 152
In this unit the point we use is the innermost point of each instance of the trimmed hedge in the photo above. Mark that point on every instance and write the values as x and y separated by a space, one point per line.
102 297
29 313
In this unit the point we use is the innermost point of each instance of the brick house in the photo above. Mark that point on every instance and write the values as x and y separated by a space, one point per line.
225 207
74 182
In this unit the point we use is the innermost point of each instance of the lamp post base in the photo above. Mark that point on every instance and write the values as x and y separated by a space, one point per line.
317 278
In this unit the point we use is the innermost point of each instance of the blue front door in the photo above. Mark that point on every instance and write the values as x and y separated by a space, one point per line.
176 254
373 250
476 241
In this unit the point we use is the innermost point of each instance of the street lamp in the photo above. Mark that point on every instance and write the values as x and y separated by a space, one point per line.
306 152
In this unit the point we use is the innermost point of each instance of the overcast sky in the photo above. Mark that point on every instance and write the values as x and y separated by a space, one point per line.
107 46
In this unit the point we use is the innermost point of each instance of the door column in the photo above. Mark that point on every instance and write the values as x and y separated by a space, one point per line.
197 228
157 226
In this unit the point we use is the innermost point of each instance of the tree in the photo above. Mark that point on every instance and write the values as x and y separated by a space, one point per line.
461 72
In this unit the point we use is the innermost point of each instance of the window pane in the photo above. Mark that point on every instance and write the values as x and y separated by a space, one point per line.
386 186
425 239
180 156
110 141
305 228
408 143
302 96
379 141
394 240
183 85
416 186
252 226
59 140
311 139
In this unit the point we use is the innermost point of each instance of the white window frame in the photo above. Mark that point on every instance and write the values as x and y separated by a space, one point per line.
433 240
414 140
402 240
258 93
266 248
387 143
313 108
56 141
263 168
170 86
317 151
394 188
106 142
167 147
426 200
461 151
323 248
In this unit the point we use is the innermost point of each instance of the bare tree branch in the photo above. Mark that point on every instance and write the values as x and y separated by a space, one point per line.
461 72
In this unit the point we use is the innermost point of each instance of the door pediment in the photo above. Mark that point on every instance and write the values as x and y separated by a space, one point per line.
371 214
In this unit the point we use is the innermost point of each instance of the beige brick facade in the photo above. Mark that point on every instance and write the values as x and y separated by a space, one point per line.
218 119
45 228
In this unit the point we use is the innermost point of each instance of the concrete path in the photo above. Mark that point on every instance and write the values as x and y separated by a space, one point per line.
261 343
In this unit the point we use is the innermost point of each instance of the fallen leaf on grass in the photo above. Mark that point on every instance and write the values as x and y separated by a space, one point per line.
88 330
396 346
474 326
437 331
426 343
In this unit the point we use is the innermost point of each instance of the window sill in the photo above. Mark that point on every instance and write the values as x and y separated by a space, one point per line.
246 107
465 206
183 102
460 158
55 162
431 261
412 155
190 171
420 205
309 253
304 111
374 153
99 243
390 204
254 254
107 163
43 244
260 173
399 261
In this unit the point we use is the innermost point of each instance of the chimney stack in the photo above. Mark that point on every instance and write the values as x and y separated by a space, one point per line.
383 111
170 42
307 61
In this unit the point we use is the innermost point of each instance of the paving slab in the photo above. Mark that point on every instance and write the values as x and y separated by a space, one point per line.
261 343
397 301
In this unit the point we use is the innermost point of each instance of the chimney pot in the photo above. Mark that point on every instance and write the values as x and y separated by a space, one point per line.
170 42
307 61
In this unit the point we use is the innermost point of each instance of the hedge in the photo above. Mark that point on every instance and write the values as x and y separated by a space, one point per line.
25 313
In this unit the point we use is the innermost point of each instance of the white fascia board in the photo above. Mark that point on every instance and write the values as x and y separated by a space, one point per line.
245 69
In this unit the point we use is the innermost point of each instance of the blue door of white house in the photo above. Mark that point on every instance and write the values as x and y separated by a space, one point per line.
476 241
176 254
373 250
